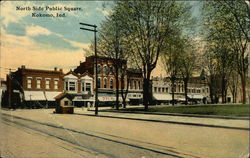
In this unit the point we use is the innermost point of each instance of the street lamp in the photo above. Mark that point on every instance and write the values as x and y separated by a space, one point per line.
96 77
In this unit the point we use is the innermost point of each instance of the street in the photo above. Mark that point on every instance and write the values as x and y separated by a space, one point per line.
40 133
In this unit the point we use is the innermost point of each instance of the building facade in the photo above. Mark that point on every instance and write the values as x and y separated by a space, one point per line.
33 87
197 90
131 83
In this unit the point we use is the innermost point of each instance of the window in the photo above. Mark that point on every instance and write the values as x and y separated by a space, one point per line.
83 87
163 89
167 90
105 70
155 89
99 83
29 82
139 84
66 86
72 86
38 83
66 102
105 83
159 89
98 69
47 84
131 84
88 87
56 84
111 83
135 84
111 69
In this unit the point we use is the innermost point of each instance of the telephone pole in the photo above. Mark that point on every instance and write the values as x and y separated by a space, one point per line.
96 74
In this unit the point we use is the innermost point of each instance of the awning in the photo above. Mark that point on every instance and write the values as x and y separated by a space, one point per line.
162 96
111 99
33 95
80 98
195 96
50 95
40 95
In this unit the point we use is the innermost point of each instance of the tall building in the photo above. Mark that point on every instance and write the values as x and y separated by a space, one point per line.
107 80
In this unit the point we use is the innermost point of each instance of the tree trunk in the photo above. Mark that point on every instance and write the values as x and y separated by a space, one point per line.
223 89
172 81
117 88
185 90
243 85
211 89
145 93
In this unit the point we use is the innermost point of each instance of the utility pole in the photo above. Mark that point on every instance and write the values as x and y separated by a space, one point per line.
96 74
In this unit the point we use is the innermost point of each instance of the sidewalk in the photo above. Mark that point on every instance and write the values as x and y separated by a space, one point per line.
231 123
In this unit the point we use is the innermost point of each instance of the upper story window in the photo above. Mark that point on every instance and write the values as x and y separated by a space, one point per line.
38 83
86 84
56 84
167 90
155 89
163 89
159 89
29 82
98 69
88 87
47 83
70 83
111 83
72 86
135 84
111 70
105 70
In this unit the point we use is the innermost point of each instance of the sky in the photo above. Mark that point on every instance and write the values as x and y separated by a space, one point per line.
48 42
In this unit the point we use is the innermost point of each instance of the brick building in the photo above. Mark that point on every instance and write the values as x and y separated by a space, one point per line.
107 80
33 87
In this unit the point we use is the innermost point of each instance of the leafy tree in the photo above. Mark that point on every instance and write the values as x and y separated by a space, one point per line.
147 26
112 44
188 63
227 27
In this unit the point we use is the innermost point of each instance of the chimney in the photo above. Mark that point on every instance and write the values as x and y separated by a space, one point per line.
55 68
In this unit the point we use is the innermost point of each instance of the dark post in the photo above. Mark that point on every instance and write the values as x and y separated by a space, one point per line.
96 74
96 77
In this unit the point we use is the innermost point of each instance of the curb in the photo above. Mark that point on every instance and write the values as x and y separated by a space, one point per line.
172 122
179 114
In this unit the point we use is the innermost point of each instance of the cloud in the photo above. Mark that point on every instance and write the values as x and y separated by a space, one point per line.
23 50
105 12
37 30
9 12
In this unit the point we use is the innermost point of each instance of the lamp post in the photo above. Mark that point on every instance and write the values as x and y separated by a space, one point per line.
96 77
